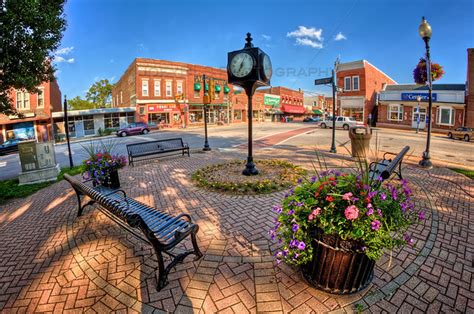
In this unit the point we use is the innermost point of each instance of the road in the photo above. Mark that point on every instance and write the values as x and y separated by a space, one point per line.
268 135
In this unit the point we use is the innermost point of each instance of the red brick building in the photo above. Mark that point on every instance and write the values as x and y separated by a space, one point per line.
37 111
170 93
240 107
291 102
360 82
470 89
399 106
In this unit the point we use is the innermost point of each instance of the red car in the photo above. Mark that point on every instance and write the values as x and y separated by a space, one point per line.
133 129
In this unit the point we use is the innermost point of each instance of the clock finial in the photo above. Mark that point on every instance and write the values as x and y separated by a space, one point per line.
248 40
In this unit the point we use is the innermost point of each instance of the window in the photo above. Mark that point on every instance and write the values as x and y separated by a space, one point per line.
144 87
121 98
157 87
41 98
355 83
168 88
22 100
445 116
179 87
238 115
111 120
129 116
197 94
347 83
395 113
88 125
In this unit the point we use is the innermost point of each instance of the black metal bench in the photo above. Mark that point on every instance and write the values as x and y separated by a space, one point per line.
159 229
383 170
144 149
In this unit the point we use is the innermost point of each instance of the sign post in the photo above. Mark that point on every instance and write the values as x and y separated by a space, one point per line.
324 81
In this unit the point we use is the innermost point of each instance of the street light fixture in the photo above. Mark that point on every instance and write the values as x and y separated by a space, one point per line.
418 99
425 33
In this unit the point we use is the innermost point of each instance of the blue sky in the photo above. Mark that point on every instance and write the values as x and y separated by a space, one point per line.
103 37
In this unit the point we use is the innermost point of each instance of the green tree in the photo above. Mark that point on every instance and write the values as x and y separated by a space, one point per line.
100 93
30 31
77 103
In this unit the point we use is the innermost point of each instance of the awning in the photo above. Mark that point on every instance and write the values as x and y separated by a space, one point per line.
293 109
317 111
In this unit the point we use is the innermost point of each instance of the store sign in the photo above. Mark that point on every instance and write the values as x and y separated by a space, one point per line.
271 100
161 108
413 96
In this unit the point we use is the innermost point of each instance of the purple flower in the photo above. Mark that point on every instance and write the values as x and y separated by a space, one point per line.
379 211
408 239
299 204
299 180
301 246
285 252
375 225
370 211
277 209
363 248
313 179
394 194
421 215
291 212
372 194
383 196
295 227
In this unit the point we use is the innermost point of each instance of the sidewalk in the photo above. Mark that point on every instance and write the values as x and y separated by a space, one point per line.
52 260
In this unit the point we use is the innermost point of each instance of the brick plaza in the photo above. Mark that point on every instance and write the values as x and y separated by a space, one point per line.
53 261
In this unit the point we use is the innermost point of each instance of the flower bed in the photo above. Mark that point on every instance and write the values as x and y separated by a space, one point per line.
274 175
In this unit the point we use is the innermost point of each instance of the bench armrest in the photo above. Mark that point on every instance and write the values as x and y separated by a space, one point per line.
116 191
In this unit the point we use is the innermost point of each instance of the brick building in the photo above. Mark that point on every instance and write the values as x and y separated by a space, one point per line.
240 107
170 93
316 104
291 103
470 89
37 111
399 107
360 82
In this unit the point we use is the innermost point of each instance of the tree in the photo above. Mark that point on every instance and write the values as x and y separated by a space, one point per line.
77 103
30 31
100 93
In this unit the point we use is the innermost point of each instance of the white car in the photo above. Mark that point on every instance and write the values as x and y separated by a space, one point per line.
341 122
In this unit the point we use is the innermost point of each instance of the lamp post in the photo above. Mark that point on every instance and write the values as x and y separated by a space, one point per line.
66 128
418 99
206 101
425 33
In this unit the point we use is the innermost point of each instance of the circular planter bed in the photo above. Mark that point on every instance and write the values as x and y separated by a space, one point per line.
274 175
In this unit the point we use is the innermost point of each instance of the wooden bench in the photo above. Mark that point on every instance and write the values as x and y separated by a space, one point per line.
144 149
383 170
159 229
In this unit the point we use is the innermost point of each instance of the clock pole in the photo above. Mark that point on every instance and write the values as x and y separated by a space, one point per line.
250 169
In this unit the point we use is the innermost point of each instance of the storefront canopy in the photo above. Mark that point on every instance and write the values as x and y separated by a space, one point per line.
293 109
317 111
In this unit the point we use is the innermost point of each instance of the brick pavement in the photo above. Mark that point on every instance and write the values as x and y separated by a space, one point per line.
52 261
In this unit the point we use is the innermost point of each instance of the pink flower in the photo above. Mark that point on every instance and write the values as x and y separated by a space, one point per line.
375 225
347 196
314 213
351 212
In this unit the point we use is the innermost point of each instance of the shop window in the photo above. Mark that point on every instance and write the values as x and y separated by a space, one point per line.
88 125
157 89
111 120
168 88
129 116
238 115
445 116
355 83
144 87
176 117
41 98
347 83
196 116
395 113
158 118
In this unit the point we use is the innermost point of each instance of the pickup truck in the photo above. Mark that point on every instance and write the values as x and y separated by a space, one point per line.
341 122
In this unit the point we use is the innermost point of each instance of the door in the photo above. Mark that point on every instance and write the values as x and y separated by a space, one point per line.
339 122
419 118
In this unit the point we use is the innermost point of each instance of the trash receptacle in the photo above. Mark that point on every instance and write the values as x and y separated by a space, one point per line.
360 141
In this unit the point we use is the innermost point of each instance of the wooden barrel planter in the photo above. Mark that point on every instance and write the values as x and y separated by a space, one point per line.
336 269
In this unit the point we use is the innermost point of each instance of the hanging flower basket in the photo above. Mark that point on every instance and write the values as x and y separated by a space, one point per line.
420 75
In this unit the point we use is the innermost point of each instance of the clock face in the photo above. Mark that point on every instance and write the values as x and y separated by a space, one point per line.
267 67
241 64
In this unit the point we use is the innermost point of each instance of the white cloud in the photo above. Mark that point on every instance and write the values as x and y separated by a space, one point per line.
59 59
64 51
308 42
304 31
340 36
267 37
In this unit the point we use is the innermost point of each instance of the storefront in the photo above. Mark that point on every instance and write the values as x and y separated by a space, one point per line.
163 115
406 106
272 105
216 114
352 106
293 112
30 127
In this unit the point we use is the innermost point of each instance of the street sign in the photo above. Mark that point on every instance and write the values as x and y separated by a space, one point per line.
323 81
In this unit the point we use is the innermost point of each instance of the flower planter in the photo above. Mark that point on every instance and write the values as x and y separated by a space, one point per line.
112 180
338 270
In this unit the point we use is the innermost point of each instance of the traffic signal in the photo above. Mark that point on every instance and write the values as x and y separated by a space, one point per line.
212 87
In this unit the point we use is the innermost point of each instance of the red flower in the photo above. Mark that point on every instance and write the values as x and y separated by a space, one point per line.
329 198
332 179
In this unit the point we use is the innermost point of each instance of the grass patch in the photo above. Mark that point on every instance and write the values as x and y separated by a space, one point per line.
467 173
10 189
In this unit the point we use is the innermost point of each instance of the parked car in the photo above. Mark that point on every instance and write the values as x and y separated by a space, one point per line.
462 133
10 146
341 122
312 119
133 129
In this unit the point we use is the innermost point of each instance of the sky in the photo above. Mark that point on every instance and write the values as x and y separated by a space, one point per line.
302 38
